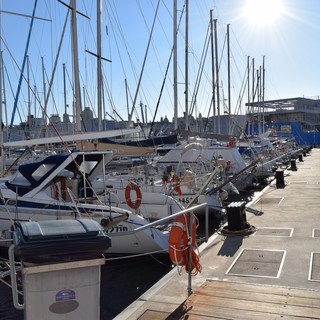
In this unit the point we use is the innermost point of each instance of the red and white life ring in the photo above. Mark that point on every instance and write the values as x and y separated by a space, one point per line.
133 204
179 245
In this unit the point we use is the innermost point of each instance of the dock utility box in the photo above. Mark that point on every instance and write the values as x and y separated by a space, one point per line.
55 241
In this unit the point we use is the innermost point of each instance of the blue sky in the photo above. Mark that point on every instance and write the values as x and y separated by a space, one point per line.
287 36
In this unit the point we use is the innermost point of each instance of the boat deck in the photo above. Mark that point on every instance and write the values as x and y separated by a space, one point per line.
273 273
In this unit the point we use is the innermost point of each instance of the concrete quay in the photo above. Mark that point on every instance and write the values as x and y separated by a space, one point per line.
272 273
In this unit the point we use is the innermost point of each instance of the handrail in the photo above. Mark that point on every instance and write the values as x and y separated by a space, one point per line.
160 221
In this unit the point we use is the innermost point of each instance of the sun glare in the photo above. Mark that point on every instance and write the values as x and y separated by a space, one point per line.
263 12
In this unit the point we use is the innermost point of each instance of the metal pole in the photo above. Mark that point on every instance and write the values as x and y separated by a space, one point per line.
217 73
175 67
99 70
207 222
186 67
190 248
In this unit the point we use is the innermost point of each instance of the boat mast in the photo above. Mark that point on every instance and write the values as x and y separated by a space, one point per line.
213 72
99 72
263 89
229 85
15 106
65 115
186 66
248 93
44 113
217 73
175 70
143 66
29 97
75 62
259 100
252 97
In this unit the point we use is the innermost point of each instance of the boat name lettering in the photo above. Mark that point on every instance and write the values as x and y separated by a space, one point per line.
118 228
186 200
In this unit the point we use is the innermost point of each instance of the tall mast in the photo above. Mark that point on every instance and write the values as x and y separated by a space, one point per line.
29 96
75 62
175 70
99 73
217 72
44 117
253 96
186 67
15 106
248 85
143 66
263 89
213 72
229 82
64 89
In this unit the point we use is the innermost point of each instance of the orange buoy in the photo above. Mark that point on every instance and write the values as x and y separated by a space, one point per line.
133 204
181 241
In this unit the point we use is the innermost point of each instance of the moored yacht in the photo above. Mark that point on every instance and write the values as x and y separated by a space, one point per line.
59 187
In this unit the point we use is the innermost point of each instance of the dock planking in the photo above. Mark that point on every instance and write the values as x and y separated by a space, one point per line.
242 301
232 300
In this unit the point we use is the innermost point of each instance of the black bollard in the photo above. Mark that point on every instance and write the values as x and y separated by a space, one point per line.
236 215
280 179
293 165
300 157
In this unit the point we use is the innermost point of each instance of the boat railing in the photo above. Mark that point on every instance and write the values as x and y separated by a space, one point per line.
170 218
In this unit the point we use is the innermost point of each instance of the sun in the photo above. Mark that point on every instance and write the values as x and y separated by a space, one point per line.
263 12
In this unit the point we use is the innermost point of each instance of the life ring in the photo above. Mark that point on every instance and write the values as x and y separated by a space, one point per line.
179 244
232 142
133 204
176 185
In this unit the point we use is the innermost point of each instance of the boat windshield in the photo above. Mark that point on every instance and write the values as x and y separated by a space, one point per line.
42 170
19 180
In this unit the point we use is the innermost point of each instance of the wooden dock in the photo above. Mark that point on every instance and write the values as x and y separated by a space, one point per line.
237 301
273 273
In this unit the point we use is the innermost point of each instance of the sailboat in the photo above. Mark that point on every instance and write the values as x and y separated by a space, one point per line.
58 187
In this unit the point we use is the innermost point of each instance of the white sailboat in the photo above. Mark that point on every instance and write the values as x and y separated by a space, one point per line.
58 187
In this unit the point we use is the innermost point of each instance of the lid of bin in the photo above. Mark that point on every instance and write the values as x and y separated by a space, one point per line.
59 228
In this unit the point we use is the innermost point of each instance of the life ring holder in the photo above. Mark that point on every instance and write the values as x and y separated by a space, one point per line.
133 204
182 240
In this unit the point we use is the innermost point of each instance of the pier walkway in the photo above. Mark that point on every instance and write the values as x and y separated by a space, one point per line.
273 273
